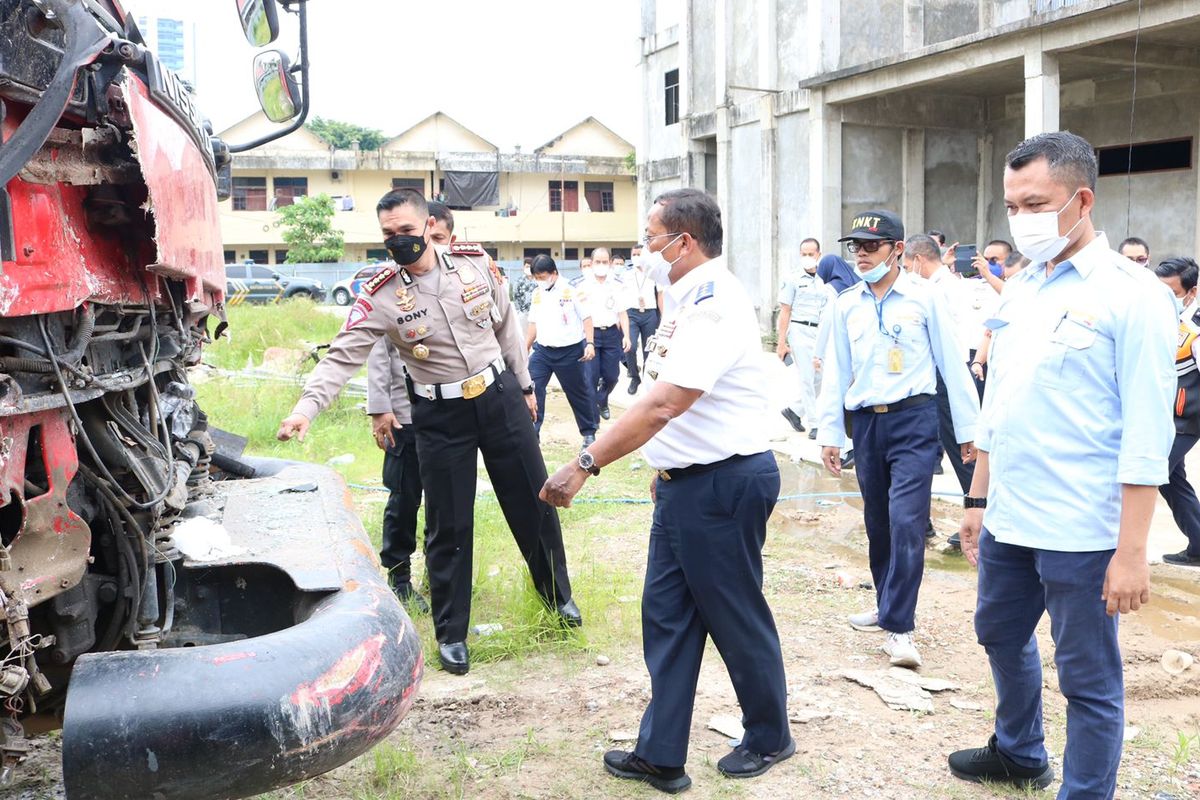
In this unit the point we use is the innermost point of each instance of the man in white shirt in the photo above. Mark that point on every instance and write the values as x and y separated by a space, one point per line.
644 313
604 297
703 427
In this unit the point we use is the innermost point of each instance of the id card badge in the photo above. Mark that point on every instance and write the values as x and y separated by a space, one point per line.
895 361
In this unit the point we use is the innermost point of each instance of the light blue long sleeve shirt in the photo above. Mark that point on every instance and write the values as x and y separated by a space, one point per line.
1081 379
862 331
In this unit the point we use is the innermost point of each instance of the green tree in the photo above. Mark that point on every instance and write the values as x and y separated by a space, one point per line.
309 232
341 134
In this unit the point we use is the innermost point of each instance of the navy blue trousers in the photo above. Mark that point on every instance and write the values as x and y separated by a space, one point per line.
1016 586
642 325
704 578
964 472
402 477
895 454
572 376
1180 496
605 368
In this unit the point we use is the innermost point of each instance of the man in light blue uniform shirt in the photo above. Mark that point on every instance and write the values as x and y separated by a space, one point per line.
1073 442
801 299
887 334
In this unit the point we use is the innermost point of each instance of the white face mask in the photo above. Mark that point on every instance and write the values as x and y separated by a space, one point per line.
808 264
1036 236
546 285
657 268
637 260
600 270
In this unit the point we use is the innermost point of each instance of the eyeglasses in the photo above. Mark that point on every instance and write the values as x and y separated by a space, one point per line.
646 236
1143 260
867 246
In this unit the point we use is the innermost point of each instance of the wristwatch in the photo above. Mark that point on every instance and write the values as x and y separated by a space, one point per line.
587 463
974 502
527 390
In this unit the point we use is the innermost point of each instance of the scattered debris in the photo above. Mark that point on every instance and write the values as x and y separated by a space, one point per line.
622 736
1131 733
963 705
726 725
493 571
807 715
602 660
1176 662
299 488
201 539
487 628
592 706
901 689
843 579
637 465
344 458
829 503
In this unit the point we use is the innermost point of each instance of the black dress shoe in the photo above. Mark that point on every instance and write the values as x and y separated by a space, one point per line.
955 542
1182 559
408 596
624 764
989 764
812 434
454 657
604 412
570 614
633 386
742 763
929 531
793 419
589 440
848 460
939 469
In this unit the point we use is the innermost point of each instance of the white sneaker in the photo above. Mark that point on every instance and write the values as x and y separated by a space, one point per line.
902 650
866 621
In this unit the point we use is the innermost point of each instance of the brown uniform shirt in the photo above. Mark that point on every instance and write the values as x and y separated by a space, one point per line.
386 390
446 325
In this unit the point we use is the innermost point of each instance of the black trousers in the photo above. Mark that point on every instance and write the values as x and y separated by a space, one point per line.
450 434
572 376
605 368
642 325
964 472
704 576
402 477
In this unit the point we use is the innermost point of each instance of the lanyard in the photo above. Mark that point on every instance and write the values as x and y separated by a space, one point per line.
895 334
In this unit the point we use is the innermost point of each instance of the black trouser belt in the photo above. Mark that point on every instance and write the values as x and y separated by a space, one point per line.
908 402
696 469
802 322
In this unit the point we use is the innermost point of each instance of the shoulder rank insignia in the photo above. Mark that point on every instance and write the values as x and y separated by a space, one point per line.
378 280
358 313
703 293
494 268
467 249
577 280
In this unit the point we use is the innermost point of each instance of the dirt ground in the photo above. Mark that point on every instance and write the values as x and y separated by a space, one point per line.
536 727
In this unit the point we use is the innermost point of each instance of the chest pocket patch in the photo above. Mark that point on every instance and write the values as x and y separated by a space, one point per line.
1066 351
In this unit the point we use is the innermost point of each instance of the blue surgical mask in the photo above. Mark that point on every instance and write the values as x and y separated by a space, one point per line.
876 275
1178 305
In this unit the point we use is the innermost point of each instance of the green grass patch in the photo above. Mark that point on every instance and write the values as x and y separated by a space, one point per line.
293 324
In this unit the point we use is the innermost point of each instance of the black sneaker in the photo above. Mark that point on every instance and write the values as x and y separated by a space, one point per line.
930 532
989 764
793 419
633 386
812 434
742 763
848 460
1182 559
604 412
955 542
624 764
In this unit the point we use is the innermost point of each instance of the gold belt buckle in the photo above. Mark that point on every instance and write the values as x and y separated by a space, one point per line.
880 409
664 475
473 387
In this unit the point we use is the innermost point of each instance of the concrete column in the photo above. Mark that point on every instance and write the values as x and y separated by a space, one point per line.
912 210
825 168
721 54
768 273
768 51
825 21
914 25
1041 89
724 161
988 194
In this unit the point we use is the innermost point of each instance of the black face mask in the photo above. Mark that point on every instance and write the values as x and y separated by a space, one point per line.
407 250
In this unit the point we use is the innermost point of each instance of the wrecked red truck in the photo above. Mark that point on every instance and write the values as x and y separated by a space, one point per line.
224 673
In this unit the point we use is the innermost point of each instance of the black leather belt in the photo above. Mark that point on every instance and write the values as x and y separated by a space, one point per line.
802 322
602 327
696 469
908 402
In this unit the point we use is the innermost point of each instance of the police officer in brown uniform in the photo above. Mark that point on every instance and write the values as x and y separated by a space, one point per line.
460 341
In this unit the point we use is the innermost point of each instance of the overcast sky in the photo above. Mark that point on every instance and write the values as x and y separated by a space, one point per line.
514 72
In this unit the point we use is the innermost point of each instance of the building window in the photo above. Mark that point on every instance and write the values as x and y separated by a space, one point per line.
1128 159
257 256
376 254
249 194
230 256
288 190
534 252
571 254
409 183
599 196
672 96
564 195
281 256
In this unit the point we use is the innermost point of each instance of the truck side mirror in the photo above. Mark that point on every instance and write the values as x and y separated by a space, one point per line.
260 21
277 91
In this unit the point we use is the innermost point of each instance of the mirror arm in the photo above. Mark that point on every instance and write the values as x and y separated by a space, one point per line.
304 99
